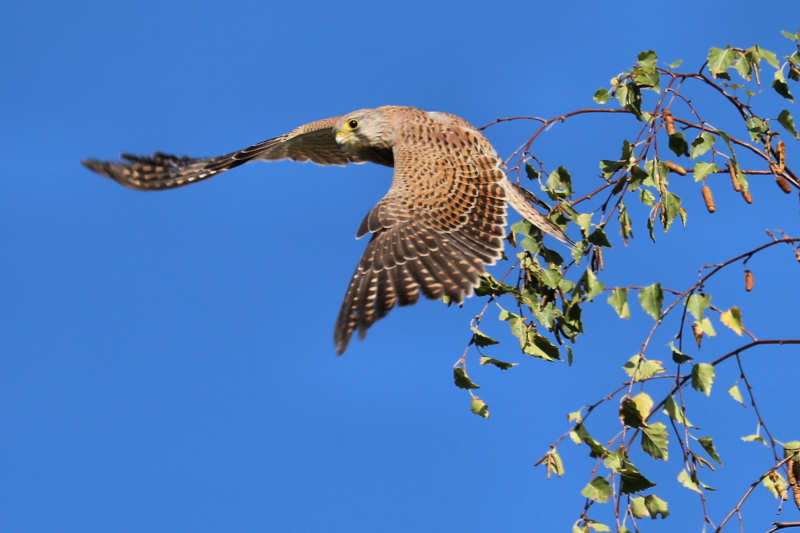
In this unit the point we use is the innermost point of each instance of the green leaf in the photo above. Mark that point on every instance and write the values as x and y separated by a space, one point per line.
531 245
789 448
780 86
588 286
647 60
551 277
654 440
632 479
599 238
736 394
638 508
625 224
656 506
481 339
674 411
708 446
630 97
703 377
583 220
733 319
490 286
697 304
755 437
643 403
530 171
677 355
580 434
616 460
559 183
638 177
652 298
678 144
609 167
619 301
768 56
546 314
640 369
462 380
646 79
647 197
630 415
792 36
598 490
601 96
744 67
676 63
787 121
707 327
685 480
651 229
516 323
702 144
757 126
597 526
575 416
703 169
502 365
479 407
523 227
541 347
672 206
719 61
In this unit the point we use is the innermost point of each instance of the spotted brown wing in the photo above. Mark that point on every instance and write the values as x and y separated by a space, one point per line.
433 233
311 142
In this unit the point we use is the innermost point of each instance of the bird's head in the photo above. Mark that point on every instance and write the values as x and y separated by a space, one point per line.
361 129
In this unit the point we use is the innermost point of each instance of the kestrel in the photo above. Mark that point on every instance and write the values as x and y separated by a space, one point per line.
434 232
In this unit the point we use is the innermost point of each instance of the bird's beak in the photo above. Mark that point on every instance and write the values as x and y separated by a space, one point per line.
340 136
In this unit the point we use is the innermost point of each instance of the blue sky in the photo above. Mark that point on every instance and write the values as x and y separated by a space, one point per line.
168 361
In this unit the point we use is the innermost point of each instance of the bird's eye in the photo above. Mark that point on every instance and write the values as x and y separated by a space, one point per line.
352 124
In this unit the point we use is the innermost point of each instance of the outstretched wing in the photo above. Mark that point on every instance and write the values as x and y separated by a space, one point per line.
435 230
311 142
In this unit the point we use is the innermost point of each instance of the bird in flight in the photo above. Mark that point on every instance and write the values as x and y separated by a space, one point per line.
434 232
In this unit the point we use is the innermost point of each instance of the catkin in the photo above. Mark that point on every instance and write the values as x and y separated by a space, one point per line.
708 198
669 121
748 281
676 168
783 184
734 181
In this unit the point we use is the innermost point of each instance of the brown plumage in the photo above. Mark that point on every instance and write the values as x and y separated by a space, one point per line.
434 232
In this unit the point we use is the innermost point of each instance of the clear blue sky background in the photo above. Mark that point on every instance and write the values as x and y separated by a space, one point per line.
167 359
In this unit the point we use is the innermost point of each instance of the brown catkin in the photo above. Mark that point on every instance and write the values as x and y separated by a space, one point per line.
748 281
783 184
734 181
669 121
708 198
781 156
747 197
676 168
793 472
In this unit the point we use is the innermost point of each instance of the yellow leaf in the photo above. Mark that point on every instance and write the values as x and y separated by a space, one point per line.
733 319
